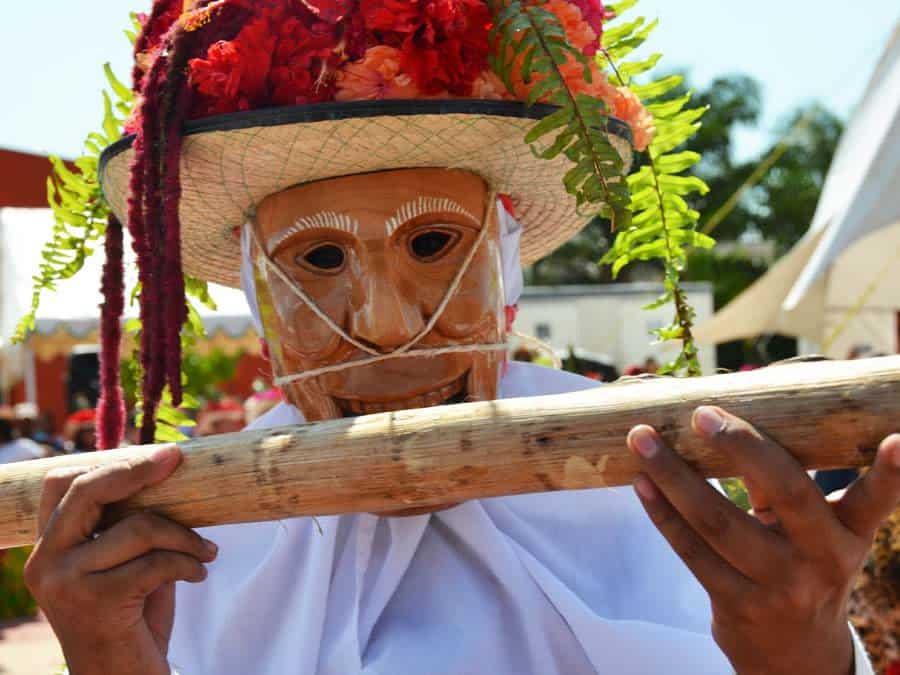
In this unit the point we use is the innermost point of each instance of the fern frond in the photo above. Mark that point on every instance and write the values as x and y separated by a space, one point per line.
79 210
80 214
664 226
531 39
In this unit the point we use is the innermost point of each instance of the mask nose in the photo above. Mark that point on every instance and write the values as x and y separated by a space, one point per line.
387 318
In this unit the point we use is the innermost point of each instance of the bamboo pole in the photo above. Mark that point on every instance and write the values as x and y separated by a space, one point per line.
829 414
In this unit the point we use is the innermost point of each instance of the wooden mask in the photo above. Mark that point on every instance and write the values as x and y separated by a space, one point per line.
382 291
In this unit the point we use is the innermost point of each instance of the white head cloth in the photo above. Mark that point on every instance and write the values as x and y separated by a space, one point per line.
510 237
568 583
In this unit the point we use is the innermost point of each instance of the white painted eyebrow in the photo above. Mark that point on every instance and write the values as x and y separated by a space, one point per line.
322 219
421 206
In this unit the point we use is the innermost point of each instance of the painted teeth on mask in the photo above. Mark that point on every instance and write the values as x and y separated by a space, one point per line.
433 398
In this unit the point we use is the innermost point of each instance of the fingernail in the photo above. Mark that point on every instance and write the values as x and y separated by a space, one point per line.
643 441
211 547
708 421
892 447
164 454
645 488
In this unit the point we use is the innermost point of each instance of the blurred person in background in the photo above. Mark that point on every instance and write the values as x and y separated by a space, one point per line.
220 417
524 355
81 431
38 427
13 449
260 403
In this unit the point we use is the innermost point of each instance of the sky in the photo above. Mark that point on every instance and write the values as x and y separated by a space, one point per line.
800 50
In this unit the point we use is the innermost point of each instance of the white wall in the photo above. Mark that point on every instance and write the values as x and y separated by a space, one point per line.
609 319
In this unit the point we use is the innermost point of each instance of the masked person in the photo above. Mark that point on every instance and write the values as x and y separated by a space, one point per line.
380 244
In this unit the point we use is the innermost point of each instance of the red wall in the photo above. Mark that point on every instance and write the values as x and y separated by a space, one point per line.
51 376
23 179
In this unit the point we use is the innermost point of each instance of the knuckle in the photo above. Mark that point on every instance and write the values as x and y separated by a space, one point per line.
141 526
714 524
691 547
664 517
798 599
740 433
162 566
137 466
839 568
82 486
794 493
848 566
55 479
749 613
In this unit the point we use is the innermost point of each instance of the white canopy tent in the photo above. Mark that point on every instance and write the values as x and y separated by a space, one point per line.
68 317
836 286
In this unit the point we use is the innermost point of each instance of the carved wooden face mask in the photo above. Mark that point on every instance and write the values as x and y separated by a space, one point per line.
381 291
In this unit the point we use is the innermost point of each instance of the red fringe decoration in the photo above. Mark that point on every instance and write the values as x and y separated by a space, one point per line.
111 406
155 192
162 15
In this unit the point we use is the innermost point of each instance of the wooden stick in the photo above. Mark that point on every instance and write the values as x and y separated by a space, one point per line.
829 414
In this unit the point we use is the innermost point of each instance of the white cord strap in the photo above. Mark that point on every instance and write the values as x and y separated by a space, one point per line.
406 350
416 353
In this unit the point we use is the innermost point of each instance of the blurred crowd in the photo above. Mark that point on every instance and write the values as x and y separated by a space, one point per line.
26 433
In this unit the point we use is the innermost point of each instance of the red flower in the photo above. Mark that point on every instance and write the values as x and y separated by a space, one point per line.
286 55
355 40
167 14
392 16
304 62
234 74
330 11
893 669
444 42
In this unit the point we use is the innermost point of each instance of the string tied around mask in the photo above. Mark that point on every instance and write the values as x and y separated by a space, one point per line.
404 351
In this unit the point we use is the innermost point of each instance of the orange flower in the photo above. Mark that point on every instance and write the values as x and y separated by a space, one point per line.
489 86
628 108
579 31
376 76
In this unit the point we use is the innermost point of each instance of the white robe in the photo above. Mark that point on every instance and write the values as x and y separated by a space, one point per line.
573 583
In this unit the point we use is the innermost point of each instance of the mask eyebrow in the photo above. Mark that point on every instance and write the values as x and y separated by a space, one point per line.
421 206
319 220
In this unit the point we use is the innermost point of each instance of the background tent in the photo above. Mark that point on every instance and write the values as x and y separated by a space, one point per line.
826 290
68 318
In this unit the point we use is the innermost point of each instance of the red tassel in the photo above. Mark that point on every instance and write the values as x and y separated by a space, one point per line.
175 306
111 407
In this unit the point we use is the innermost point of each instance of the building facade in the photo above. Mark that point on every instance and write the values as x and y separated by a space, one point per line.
610 320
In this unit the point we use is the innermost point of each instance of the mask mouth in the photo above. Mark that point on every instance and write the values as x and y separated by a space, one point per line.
454 392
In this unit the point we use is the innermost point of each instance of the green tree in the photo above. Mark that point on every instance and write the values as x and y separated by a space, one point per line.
778 209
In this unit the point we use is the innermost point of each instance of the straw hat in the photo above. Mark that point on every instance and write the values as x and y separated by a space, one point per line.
232 162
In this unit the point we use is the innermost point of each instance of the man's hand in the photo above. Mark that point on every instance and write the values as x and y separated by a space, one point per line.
110 595
779 581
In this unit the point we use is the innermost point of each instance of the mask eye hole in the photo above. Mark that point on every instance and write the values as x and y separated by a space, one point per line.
432 244
328 258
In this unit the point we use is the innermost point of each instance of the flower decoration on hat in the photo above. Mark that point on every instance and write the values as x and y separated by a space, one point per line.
200 65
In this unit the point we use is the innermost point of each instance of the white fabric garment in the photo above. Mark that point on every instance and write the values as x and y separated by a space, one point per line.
20 450
571 583
510 238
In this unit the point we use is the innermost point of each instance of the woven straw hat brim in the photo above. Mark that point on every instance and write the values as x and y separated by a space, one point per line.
232 162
